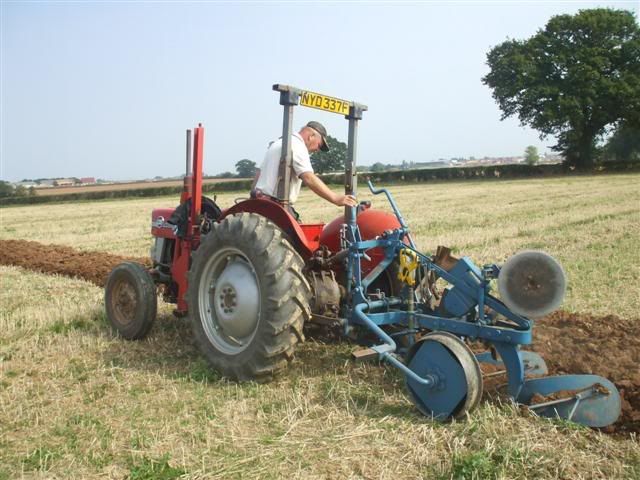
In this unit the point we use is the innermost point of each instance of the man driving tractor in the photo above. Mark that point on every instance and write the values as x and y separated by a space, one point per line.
311 138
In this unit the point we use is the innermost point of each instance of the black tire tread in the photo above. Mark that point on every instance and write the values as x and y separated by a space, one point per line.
146 289
284 309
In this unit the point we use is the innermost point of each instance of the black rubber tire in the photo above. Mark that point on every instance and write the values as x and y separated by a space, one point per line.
130 300
283 292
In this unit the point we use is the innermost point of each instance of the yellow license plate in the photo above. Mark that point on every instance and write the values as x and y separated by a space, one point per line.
323 102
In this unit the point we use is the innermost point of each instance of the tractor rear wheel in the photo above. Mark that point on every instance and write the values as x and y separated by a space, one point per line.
247 297
130 300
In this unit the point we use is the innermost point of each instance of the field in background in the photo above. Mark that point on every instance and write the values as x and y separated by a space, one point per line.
76 402
591 224
116 187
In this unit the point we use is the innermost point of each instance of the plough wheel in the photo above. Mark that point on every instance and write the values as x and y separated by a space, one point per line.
458 387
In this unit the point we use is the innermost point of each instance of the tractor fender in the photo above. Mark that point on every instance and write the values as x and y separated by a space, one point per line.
304 238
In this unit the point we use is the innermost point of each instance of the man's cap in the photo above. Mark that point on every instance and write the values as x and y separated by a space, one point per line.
318 127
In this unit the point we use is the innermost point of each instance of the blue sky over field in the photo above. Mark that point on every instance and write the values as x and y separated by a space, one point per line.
107 89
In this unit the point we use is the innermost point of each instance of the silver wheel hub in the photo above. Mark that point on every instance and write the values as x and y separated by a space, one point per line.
229 300
236 301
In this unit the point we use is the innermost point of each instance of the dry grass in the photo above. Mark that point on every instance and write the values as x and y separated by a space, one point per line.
77 402
591 224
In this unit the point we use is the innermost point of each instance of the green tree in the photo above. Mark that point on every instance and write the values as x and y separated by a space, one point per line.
531 156
6 189
624 144
246 168
331 161
378 167
572 79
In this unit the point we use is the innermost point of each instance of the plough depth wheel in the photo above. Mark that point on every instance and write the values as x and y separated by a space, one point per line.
458 379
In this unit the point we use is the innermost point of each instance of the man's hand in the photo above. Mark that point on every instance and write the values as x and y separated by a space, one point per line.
314 182
346 201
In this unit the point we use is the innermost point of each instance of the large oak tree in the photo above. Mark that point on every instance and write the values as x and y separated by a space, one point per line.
246 168
331 161
575 79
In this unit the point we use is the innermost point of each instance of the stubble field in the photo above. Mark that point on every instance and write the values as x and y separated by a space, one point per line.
78 402
111 187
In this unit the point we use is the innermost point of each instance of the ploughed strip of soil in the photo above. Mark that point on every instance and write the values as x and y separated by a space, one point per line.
574 343
93 267
569 343
608 346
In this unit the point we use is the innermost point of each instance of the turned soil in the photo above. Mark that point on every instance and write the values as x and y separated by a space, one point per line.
93 267
570 343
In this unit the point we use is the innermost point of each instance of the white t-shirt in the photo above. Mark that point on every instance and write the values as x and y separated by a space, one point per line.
268 180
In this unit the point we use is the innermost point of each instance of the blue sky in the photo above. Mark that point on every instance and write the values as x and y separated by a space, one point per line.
107 89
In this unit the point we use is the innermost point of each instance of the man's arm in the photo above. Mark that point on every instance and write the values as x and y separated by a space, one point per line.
255 180
320 188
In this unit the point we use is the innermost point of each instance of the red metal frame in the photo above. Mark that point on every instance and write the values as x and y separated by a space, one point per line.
192 191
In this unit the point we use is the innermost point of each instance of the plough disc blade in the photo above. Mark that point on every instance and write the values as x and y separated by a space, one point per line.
587 399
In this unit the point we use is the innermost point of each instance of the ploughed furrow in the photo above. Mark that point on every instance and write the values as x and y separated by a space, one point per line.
93 267
609 346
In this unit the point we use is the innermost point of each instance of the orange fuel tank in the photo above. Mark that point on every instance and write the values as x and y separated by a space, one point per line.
371 224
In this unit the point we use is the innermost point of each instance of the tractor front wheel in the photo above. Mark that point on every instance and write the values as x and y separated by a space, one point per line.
130 300
247 298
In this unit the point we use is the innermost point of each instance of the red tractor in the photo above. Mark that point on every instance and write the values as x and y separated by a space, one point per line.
250 276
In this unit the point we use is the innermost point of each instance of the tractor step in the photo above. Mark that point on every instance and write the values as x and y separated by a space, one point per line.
378 351
364 354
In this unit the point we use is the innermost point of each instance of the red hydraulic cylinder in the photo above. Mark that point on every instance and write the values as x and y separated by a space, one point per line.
192 191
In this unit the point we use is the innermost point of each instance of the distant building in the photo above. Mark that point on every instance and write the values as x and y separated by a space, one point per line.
28 184
64 182
87 180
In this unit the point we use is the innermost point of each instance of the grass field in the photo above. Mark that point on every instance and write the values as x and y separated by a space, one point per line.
110 187
77 402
